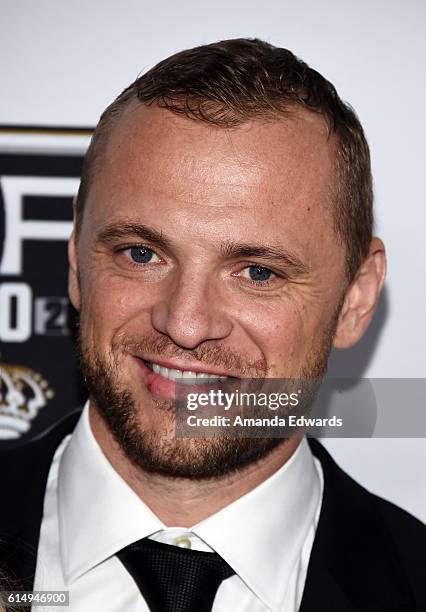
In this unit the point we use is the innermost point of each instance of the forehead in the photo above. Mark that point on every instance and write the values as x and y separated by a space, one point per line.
279 171
286 151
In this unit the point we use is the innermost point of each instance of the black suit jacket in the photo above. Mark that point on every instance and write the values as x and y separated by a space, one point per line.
368 555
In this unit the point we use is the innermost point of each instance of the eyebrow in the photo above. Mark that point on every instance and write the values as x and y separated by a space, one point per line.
270 253
228 249
115 232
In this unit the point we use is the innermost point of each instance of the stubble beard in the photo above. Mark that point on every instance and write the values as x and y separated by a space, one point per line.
158 450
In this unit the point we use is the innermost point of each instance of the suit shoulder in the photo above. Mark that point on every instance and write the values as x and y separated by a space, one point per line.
40 445
25 468
408 530
409 537
392 539
361 498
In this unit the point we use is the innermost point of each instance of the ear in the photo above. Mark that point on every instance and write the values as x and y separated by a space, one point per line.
361 297
73 282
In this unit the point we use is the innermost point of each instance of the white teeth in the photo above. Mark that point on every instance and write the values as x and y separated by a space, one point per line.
184 375
173 374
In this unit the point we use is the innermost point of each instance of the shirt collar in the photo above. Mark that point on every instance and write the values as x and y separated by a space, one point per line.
100 514
267 527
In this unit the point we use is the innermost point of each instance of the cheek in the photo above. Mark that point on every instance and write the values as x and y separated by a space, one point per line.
289 330
109 303
281 332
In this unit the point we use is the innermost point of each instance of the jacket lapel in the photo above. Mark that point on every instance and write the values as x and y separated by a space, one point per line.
354 565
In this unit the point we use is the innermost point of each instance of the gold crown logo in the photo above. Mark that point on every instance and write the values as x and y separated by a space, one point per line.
23 393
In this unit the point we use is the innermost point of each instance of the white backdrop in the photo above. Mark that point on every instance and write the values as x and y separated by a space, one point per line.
61 63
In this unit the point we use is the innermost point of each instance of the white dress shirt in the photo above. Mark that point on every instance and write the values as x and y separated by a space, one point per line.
90 513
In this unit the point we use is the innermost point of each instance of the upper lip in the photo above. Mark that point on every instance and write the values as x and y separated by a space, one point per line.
186 366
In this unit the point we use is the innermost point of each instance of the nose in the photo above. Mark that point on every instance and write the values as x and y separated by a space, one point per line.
190 312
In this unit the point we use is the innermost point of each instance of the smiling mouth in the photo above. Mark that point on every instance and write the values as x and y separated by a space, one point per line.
184 376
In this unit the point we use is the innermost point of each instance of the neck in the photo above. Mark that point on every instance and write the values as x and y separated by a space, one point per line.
182 502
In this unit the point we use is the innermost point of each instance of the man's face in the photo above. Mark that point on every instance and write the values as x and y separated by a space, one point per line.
208 250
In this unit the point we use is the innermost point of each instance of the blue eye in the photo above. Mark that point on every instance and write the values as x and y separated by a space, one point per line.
258 273
141 254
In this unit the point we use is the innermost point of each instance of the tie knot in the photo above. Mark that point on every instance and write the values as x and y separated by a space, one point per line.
174 579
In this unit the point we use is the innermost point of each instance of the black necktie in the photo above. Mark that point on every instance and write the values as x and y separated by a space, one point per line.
174 579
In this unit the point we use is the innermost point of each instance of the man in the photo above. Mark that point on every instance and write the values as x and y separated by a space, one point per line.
223 228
